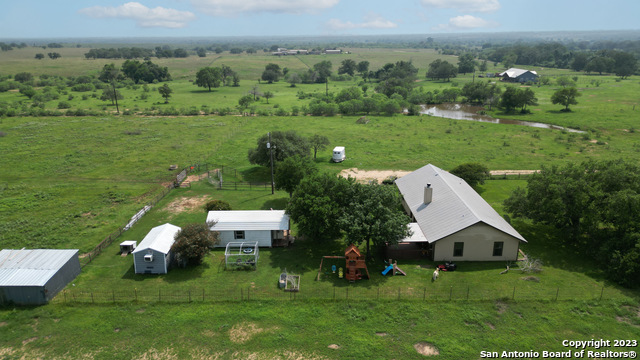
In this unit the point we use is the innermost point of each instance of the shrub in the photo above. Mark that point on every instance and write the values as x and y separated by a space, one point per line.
192 243
83 87
214 205
64 105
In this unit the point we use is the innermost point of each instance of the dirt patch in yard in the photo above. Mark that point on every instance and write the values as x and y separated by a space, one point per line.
368 175
334 346
501 307
426 349
153 354
194 178
187 204
241 333
25 342
3 323
380 175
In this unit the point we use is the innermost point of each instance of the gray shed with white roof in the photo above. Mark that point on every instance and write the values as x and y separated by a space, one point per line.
519 75
33 277
261 226
455 222
153 254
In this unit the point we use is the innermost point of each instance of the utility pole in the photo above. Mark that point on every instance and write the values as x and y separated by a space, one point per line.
270 147
115 96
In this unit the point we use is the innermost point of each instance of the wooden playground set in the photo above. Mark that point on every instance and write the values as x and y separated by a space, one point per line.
355 265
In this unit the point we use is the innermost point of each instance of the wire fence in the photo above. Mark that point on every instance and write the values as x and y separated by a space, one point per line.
351 293
86 258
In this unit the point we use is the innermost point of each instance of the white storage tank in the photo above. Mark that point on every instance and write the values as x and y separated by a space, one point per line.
338 154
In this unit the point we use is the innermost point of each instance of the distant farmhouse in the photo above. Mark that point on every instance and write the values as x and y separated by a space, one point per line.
519 75
333 51
266 227
153 254
33 277
451 221
283 52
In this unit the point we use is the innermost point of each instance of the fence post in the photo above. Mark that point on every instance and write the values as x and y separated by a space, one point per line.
602 292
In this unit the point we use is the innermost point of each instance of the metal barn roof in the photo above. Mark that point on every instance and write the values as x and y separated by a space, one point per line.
160 238
31 267
454 206
249 220
515 72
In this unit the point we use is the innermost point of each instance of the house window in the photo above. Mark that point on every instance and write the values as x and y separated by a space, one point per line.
497 248
148 258
238 235
458 248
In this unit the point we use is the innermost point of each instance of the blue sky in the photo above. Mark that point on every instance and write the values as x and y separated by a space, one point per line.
178 18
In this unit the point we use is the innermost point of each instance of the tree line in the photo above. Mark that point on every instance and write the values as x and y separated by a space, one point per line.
136 53
596 206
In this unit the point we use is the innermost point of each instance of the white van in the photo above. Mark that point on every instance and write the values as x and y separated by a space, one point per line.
338 154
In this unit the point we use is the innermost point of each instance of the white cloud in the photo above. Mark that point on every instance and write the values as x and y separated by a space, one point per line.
237 7
372 21
466 22
144 16
465 5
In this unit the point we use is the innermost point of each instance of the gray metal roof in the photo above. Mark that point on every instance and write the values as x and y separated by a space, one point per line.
249 220
454 206
31 267
160 238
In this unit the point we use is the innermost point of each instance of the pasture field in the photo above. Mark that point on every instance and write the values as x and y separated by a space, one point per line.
87 176
67 182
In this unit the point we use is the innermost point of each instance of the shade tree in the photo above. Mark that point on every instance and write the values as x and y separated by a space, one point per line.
565 96
283 143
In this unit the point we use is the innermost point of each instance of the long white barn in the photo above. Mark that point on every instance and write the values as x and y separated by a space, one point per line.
261 226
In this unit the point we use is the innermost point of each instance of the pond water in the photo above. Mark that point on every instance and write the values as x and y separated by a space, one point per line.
468 112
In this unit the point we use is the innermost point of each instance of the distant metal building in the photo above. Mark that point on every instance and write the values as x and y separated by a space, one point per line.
519 75
153 254
33 277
